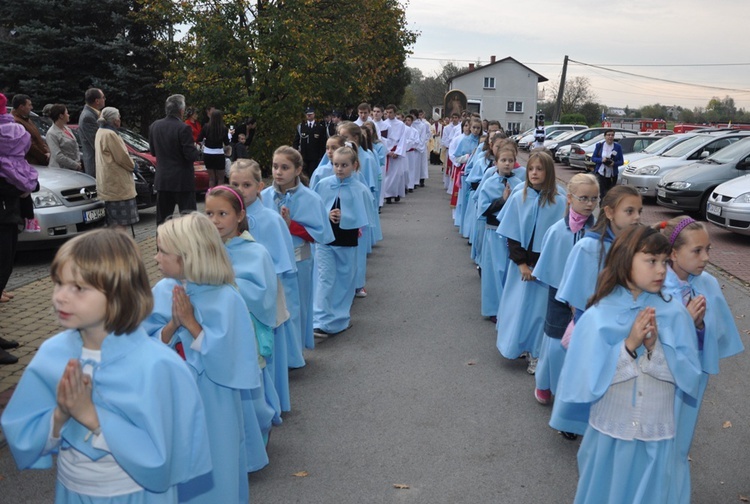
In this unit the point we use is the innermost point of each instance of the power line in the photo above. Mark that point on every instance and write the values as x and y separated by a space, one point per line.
658 79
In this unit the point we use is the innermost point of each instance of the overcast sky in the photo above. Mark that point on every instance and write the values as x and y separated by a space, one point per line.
644 35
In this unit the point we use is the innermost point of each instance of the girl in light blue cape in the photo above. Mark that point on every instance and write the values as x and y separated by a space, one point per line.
350 204
492 197
627 365
308 223
716 333
325 168
269 229
198 311
524 219
256 280
620 209
119 441
583 195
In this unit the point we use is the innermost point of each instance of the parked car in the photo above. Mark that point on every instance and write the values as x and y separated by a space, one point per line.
578 137
688 188
629 145
660 146
578 151
528 140
728 205
516 138
66 204
645 174
660 132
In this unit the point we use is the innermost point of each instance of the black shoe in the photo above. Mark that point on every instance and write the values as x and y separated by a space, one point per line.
6 358
411 190
421 182
570 436
397 198
7 345
388 201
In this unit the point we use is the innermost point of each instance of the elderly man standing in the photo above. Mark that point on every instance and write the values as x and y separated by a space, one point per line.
38 154
87 127
171 141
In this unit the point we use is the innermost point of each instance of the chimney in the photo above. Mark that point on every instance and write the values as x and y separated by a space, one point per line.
471 67
492 59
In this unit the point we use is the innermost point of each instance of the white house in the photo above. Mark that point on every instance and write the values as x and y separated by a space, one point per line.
505 90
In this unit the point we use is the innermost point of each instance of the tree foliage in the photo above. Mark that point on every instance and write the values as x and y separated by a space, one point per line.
577 92
55 54
269 59
427 92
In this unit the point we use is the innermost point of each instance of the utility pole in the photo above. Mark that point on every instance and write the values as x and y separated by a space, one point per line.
561 91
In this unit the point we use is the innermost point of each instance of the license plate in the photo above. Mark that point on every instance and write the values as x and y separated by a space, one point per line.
661 193
93 215
713 209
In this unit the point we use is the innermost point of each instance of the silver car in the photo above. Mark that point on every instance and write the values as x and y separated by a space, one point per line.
645 174
66 204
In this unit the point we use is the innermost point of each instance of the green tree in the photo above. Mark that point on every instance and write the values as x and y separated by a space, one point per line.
55 54
592 112
271 58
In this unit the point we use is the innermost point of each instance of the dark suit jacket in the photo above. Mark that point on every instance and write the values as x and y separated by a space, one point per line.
87 128
171 141
311 142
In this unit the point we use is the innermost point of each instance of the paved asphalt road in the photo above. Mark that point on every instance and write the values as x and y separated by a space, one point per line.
416 394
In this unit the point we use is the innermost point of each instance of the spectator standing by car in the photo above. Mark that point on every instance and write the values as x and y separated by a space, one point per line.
215 136
171 141
63 147
114 177
17 180
310 141
38 154
193 122
608 158
87 127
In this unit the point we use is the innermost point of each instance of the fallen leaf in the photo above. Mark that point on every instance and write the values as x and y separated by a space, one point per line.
726 425
471 363
744 499
301 474
400 486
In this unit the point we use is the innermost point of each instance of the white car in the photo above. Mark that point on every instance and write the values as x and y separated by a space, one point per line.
526 142
660 146
729 205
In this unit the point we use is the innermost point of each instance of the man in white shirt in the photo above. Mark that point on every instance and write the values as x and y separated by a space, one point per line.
449 132
396 168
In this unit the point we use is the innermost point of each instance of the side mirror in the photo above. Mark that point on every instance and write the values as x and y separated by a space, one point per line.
704 154
744 164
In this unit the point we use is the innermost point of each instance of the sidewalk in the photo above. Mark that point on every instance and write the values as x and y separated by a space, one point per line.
30 320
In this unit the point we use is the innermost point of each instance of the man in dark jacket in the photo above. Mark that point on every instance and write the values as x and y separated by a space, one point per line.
39 152
310 140
87 127
171 141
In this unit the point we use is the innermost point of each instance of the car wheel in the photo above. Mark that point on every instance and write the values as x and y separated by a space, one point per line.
704 204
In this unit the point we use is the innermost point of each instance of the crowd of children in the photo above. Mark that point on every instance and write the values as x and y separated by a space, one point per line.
619 322
247 286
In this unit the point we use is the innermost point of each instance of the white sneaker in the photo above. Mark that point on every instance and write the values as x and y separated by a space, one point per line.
531 368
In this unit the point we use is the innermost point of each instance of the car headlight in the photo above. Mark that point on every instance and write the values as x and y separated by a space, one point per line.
679 186
647 170
44 198
743 198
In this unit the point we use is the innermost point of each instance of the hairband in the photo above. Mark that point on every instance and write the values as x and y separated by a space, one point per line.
227 188
678 228
349 144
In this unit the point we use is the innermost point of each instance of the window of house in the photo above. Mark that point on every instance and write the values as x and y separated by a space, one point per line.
515 106
513 128
489 83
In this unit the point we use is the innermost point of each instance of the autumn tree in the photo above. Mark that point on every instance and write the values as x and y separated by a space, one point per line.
270 58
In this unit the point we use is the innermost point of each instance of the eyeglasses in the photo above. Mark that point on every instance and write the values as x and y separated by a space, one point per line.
586 199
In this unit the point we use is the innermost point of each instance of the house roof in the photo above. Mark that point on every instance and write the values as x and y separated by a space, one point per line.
542 78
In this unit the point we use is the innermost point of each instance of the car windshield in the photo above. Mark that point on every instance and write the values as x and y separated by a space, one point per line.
686 147
662 144
557 134
134 140
732 153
